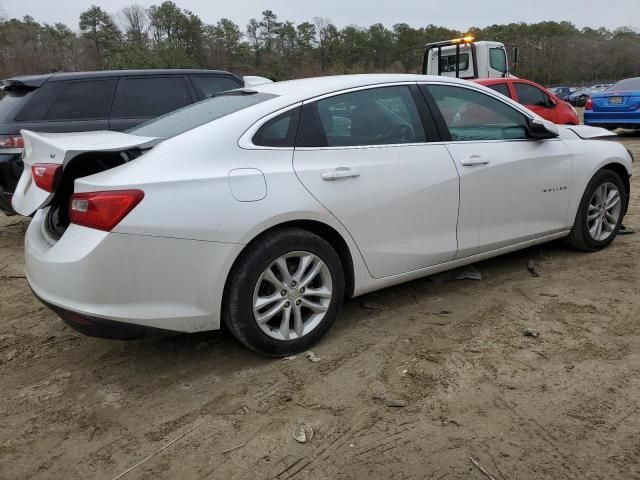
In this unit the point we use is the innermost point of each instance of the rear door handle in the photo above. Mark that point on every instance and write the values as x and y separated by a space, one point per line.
339 173
475 160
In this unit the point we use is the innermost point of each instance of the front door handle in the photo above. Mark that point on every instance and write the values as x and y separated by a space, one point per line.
475 160
339 173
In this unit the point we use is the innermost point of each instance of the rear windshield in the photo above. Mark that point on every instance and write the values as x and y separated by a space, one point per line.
625 85
198 114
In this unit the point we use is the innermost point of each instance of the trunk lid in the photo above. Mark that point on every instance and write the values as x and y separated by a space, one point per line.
61 148
612 101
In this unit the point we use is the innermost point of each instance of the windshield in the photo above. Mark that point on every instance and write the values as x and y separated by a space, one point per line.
192 116
628 84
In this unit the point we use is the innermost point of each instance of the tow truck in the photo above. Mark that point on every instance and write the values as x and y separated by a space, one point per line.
465 58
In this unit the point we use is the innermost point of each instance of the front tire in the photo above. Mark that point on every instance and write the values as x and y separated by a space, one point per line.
600 213
284 292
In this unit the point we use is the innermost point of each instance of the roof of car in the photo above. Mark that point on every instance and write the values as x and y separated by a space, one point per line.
39 80
312 87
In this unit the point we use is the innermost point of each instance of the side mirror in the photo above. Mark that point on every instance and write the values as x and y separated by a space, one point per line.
541 130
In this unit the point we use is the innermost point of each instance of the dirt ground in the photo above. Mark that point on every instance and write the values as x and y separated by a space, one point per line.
564 405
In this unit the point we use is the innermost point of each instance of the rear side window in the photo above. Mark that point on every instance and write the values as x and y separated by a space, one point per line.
84 100
150 97
530 95
502 88
39 102
471 115
70 100
279 131
10 102
208 86
376 116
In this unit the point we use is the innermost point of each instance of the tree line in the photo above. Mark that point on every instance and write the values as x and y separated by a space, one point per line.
167 36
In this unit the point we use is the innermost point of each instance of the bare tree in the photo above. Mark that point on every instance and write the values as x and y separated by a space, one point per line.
322 27
135 23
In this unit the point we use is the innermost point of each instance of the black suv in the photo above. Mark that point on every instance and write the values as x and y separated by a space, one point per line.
86 101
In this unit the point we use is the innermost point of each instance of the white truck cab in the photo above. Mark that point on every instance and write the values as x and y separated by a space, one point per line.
466 58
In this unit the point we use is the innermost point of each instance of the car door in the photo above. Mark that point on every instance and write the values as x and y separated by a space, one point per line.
145 97
536 100
366 155
512 188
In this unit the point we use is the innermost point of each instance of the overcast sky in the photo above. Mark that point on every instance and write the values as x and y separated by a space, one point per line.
458 14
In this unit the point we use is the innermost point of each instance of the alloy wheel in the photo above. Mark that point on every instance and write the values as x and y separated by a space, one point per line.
292 295
604 211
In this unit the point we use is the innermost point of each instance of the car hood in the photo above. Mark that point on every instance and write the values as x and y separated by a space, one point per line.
589 133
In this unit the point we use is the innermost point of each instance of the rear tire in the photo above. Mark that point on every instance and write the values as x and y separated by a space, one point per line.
284 292
600 213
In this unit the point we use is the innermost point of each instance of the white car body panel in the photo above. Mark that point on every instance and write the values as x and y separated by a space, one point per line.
145 280
166 263
411 179
495 198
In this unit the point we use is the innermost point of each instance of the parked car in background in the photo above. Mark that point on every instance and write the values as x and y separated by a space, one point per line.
580 97
263 208
562 92
105 100
535 97
616 107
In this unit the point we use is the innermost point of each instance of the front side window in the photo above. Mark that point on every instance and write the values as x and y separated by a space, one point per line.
83 100
149 97
376 116
498 59
502 88
471 115
530 95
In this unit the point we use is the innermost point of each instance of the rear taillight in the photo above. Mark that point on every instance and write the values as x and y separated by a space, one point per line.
103 210
46 175
588 105
11 141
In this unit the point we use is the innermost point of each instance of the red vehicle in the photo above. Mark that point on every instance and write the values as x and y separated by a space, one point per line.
535 97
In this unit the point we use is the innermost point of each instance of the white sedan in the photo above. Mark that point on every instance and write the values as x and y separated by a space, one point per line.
265 207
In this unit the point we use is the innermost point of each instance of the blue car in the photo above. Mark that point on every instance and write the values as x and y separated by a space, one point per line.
616 107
